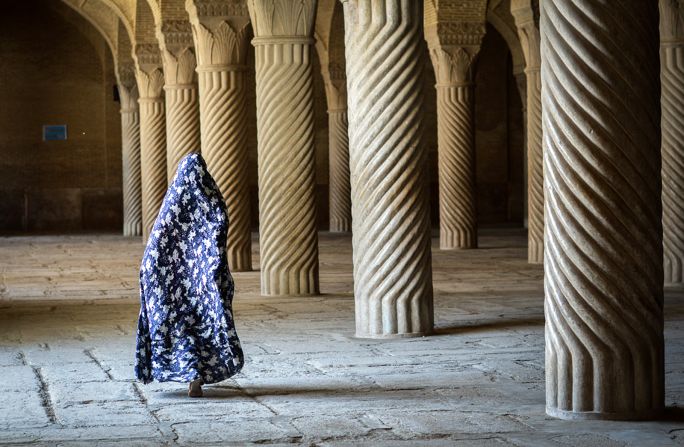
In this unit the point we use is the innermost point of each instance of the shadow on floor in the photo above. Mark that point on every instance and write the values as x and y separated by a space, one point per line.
489 326
219 392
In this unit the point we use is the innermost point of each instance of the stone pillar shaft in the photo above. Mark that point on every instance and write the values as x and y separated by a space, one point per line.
672 103
526 16
603 275
152 145
224 146
287 188
220 36
457 201
182 124
130 156
339 183
152 159
535 169
175 38
391 229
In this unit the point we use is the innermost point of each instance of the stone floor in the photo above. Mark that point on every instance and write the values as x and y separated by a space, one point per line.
68 307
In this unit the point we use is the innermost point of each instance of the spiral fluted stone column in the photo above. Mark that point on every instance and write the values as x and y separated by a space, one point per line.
287 207
182 124
221 43
130 156
603 269
338 143
152 145
535 169
525 14
456 142
182 98
391 228
672 103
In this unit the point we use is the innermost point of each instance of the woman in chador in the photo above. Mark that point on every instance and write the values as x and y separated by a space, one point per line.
185 328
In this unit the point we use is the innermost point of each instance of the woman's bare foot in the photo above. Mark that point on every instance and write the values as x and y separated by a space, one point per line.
195 389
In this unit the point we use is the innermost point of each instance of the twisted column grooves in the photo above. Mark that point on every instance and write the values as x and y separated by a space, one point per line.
182 124
672 102
340 188
132 192
287 207
458 217
153 160
535 170
224 147
603 278
391 233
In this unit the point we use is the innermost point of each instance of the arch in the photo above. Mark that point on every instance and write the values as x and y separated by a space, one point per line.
156 9
499 16
323 26
103 19
126 11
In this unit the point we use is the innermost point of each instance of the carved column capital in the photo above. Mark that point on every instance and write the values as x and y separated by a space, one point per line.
453 49
277 19
129 98
335 81
526 16
177 50
148 70
150 83
453 65
222 46
127 86
671 22
125 75
220 30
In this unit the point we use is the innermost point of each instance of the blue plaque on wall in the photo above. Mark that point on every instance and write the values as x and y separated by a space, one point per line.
54 132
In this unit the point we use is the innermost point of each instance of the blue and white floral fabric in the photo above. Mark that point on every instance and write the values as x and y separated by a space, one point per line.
185 327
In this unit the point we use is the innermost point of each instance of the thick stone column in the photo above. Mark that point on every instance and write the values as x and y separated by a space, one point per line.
182 98
221 42
283 32
672 102
338 143
603 269
525 13
130 157
391 227
455 132
152 142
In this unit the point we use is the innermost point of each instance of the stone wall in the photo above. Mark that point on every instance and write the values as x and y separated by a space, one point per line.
55 70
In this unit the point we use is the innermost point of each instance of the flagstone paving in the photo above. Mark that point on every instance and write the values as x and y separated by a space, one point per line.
68 308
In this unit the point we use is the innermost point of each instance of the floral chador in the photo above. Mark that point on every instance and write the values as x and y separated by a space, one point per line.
185 328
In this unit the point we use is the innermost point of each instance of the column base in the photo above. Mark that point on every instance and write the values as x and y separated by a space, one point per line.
673 271
535 252
293 285
449 240
132 229
339 226
393 336
602 416
240 262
